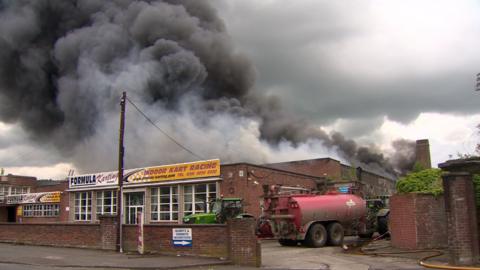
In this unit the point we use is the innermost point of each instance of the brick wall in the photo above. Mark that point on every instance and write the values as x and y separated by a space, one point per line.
402 221
418 221
3 214
236 240
246 181
66 235
207 240
244 246
460 206
374 185
323 167
108 231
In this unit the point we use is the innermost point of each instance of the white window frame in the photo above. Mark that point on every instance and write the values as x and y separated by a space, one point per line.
83 206
101 206
156 202
41 210
210 195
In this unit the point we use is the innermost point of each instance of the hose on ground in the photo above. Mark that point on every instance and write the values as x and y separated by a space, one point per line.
421 262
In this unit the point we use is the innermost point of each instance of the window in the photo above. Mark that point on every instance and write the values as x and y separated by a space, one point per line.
3 192
197 197
41 210
18 190
107 202
165 203
83 206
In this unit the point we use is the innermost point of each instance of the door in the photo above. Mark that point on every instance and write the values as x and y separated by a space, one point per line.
11 214
134 203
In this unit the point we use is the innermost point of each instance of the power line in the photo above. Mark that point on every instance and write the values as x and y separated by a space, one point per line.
164 133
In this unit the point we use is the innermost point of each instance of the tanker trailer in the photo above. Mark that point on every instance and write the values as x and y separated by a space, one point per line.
313 220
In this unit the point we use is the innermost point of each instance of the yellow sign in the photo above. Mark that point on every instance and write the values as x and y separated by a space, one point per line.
41 197
19 211
51 197
198 169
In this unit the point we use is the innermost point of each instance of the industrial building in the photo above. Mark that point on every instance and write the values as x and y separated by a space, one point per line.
167 193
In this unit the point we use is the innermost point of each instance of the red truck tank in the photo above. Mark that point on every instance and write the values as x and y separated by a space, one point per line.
313 220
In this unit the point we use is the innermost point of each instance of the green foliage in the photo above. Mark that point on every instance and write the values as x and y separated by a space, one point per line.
417 167
476 183
427 181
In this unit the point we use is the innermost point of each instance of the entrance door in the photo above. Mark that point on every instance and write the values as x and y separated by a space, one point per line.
11 214
133 205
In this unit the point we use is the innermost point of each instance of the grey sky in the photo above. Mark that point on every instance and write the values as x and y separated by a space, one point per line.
369 69
362 59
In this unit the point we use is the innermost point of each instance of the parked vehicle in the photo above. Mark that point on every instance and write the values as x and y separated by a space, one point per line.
221 209
378 213
311 219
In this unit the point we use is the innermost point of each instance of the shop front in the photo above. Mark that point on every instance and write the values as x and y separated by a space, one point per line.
34 207
163 193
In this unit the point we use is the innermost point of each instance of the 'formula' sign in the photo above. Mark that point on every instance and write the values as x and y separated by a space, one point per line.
95 179
42 197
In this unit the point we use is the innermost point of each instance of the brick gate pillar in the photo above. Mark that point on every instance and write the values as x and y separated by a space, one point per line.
108 230
461 210
244 246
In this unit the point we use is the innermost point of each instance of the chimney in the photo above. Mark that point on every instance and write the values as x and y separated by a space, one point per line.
422 154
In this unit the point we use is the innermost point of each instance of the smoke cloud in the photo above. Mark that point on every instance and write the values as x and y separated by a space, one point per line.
63 65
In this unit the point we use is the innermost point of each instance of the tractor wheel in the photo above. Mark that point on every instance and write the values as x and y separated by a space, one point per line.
317 236
382 225
335 234
287 242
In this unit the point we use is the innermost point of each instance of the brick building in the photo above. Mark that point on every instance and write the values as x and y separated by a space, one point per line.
167 193
360 180
25 199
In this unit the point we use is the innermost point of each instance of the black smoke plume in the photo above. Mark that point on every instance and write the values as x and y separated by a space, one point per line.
64 63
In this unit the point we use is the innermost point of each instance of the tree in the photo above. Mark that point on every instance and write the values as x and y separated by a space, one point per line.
427 181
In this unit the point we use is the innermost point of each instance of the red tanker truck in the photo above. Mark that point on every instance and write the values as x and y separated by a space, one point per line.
311 219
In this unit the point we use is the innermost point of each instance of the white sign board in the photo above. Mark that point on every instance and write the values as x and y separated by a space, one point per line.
182 237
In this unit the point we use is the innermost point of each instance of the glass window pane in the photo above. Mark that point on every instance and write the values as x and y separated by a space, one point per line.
200 188
187 189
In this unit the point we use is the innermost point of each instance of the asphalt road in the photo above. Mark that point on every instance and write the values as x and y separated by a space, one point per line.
274 256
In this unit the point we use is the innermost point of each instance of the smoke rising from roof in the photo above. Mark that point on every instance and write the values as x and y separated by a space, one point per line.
63 65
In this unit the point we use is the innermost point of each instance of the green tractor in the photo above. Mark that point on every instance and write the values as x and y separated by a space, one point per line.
221 209
378 213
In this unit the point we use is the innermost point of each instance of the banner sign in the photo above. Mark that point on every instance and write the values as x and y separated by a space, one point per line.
42 197
182 237
95 179
199 169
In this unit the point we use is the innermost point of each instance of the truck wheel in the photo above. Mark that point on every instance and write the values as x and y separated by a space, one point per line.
287 242
382 223
335 234
317 236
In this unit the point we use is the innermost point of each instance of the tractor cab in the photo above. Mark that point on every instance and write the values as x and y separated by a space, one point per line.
221 209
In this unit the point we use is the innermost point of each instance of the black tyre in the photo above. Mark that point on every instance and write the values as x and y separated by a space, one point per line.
288 242
382 226
316 236
335 234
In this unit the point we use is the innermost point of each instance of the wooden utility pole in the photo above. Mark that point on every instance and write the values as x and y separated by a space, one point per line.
121 152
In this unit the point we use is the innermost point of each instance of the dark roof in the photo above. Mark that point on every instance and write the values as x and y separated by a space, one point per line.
49 182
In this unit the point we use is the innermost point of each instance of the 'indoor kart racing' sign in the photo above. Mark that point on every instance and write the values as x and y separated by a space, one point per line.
198 169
